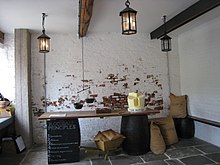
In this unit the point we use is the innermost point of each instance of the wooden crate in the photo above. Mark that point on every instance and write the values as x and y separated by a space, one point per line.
109 145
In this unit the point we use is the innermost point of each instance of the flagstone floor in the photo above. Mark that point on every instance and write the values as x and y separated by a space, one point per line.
186 152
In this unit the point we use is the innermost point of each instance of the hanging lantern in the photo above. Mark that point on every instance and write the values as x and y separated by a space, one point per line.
165 40
166 43
128 17
44 40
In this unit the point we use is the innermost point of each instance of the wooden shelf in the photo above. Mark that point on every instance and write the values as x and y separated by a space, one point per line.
92 114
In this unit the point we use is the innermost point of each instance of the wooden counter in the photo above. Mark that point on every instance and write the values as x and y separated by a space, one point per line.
63 132
91 114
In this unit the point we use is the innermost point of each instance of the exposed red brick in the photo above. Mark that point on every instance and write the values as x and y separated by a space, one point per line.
110 76
116 94
151 104
94 95
100 85
158 108
114 99
85 80
117 100
125 85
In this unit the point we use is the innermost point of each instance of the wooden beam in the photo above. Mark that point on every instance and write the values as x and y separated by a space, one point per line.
85 10
185 16
1 37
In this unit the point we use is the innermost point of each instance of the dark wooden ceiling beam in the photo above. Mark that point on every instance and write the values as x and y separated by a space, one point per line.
85 14
1 37
185 16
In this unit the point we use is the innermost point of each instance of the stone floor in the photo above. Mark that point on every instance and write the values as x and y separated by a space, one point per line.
187 151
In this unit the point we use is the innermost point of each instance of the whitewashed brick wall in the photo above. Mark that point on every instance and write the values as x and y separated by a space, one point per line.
135 61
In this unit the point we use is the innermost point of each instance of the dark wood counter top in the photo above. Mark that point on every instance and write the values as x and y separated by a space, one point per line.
91 114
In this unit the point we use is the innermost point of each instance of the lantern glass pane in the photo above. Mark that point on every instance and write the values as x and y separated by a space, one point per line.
128 17
132 21
44 45
166 45
125 21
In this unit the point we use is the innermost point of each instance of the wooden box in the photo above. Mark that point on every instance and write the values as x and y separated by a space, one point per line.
108 140
109 145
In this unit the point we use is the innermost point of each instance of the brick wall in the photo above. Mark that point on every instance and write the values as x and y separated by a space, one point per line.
114 66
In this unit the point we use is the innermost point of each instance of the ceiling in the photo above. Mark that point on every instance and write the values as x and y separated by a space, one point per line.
63 14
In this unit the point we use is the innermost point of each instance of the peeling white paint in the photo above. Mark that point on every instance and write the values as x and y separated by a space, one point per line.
125 56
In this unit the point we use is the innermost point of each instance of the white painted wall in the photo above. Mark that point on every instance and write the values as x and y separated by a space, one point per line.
199 51
174 67
102 51
7 68
127 57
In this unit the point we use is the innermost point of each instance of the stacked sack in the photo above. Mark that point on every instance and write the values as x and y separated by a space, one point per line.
167 131
163 133
185 127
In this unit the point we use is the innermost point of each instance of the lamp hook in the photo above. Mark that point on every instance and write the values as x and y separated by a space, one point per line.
164 21
43 20
127 3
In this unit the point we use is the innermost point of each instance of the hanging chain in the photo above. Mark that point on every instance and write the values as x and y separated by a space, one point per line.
83 76
83 70
43 19
164 21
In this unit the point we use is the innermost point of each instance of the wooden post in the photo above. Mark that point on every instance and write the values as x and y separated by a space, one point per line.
23 110
85 14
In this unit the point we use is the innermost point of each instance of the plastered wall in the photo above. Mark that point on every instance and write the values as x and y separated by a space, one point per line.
200 77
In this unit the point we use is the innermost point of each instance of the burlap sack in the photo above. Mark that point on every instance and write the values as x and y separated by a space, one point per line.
178 106
167 129
157 144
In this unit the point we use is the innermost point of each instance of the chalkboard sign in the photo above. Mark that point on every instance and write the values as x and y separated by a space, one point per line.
63 139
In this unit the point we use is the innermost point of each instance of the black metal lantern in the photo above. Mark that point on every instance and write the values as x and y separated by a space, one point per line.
166 43
165 40
44 40
128 18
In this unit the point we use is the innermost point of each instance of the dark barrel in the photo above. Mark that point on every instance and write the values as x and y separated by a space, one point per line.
185 127
136 131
